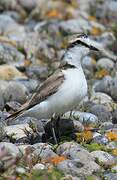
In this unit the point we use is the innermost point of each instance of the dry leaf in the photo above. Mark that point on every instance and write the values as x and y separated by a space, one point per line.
54 14
95 31
114 152
85 136
56 160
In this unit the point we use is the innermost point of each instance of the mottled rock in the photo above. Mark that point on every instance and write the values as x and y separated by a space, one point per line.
88 63
28 4
114 117
37 72
103 157
18 131
76 152
12 149
8 72
39 166
101 112
9 54
100 139
2 129
43 150
102 98
110 176
15 92
105 63
83 117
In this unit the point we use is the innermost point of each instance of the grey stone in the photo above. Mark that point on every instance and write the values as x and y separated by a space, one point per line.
43 151
106 126
2 129
2 103
15 92
114 117
103 157
12 149
101 140
111 145
105 63
74 25
9 54
87 63
28 4
37 72
83 117
101 112
39 166
110 176
76 152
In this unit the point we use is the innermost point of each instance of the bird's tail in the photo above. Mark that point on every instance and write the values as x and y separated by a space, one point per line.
18 112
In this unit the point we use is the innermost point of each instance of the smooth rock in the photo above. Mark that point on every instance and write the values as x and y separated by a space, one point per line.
15 92
105 63
9 72
83 117
2 129
20 170
37 72
101 139
38 124
74 25
103 157
102 98
101 112
110 176
17 130
9 54
88 63
28 4
43 150
74 152
39 166
12 149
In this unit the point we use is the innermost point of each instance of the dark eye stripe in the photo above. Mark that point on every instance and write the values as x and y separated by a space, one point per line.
76 43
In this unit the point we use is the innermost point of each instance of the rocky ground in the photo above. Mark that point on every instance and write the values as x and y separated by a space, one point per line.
33 37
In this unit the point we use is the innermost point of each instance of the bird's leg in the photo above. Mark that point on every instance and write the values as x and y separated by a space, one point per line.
53 122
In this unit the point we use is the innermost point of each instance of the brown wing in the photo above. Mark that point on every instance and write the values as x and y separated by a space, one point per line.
49 87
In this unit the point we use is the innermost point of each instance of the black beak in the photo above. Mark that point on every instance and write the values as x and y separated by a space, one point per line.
94 48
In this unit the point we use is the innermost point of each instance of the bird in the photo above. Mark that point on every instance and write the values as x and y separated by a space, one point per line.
65 88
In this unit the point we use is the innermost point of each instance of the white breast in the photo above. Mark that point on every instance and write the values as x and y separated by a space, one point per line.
70 93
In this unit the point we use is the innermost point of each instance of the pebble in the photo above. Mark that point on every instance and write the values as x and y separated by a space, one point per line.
9 54
11 148
39 166
17 130
9 72
101 112
102 98
76 152
83 117
15 92
43 150
105 63
103 157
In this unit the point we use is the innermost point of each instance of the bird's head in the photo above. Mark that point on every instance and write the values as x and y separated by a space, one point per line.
83 43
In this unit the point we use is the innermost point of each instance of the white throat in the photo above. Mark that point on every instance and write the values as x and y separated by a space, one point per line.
74 55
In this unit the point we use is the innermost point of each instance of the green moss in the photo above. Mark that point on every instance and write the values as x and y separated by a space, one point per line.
95 147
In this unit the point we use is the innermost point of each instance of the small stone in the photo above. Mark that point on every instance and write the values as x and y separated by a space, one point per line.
43 151
78 154
83 117
12 149
100 139
28 4
17 130
102 98
15 92
103 157
101 112
39 166
8 72
105 63
20 170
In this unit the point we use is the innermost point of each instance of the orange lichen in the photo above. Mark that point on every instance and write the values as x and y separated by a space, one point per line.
112 136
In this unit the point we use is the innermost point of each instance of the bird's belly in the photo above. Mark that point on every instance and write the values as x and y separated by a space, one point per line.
69 95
